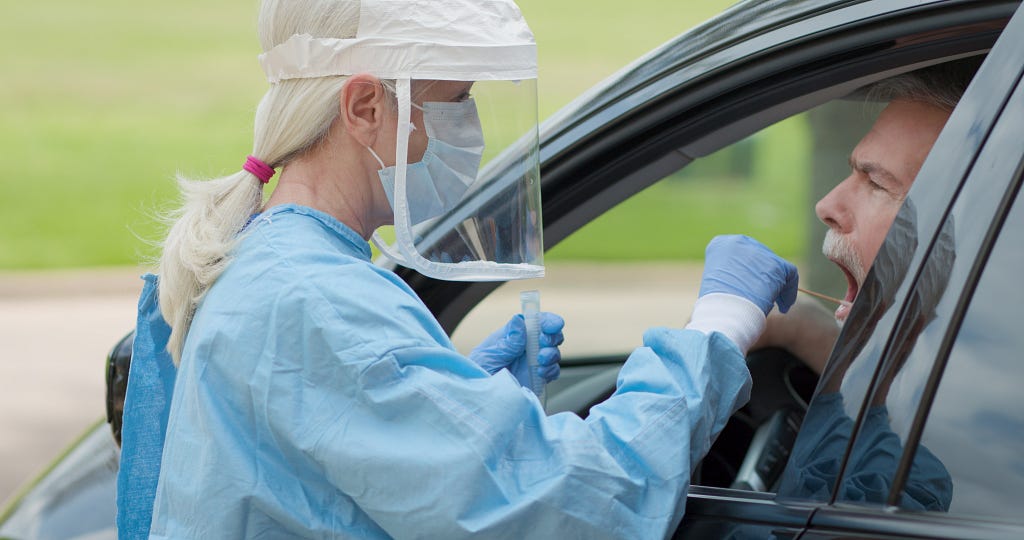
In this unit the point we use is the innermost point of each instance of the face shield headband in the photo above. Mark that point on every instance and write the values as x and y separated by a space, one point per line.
417 39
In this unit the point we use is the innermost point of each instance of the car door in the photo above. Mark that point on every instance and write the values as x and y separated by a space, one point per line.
948 374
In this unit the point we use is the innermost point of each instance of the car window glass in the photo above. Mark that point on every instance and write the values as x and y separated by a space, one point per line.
910 340
975 427
884 423
820 449
885 322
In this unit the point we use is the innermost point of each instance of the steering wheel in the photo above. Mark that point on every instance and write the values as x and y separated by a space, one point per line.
751 451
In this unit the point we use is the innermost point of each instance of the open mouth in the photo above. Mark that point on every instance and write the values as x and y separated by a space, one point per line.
839 248
852 288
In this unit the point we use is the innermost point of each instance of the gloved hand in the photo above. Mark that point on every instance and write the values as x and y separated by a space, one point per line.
506 348
742 266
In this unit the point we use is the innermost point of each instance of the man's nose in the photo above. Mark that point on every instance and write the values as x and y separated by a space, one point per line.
832 209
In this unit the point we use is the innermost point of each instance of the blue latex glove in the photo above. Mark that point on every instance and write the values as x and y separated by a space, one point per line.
742 266
506 348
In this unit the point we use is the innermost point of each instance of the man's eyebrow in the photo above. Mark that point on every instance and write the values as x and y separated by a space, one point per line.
871 167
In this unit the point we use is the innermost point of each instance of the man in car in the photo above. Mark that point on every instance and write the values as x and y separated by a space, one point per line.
859 212
862 207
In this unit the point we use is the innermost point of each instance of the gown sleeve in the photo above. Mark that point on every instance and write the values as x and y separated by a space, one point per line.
345 409
428 448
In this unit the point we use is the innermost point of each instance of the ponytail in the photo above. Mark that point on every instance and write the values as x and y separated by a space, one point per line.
293 117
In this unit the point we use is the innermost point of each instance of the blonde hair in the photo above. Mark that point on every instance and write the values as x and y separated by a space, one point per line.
293 116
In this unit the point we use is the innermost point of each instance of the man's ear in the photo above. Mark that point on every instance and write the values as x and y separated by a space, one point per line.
363 107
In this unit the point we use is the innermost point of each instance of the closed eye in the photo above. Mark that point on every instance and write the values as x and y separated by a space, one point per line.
878 177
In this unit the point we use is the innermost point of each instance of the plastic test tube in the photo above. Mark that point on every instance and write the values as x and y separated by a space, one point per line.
530 301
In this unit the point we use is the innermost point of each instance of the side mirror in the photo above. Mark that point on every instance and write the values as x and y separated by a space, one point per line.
118 362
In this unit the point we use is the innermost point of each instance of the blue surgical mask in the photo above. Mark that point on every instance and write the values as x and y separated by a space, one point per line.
450 163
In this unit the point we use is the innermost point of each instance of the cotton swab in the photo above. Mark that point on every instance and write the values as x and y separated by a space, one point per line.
824 297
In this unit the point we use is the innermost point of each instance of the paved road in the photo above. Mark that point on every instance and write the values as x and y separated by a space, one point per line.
55 332
56 329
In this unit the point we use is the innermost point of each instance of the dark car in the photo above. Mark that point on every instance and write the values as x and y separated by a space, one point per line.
752 116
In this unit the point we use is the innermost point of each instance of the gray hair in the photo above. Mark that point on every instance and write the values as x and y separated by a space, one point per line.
941 85
293 117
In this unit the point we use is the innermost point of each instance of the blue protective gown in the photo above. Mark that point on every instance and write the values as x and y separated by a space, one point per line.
318 397
144 418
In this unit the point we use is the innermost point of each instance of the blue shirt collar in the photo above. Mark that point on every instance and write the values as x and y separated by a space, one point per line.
343 231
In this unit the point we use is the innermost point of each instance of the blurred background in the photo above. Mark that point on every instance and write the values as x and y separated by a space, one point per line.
103 102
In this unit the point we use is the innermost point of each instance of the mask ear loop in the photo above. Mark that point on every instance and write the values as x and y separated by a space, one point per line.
379 160
400 207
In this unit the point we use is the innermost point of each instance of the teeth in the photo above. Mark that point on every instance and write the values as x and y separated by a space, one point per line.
842 311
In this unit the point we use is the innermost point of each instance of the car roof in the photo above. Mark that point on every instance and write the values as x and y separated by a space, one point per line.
736 24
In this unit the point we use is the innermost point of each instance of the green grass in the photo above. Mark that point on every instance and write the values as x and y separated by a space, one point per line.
103 102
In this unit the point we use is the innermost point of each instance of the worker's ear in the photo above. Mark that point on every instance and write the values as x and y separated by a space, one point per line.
364 107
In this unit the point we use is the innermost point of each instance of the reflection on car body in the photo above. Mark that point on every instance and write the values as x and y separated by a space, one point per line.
819 457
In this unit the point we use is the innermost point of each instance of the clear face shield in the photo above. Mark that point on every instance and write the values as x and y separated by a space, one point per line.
465 187
464 208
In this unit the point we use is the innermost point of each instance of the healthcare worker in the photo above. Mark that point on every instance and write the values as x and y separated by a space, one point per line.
298 390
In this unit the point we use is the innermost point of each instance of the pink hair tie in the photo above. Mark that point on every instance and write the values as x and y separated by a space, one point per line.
259 169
